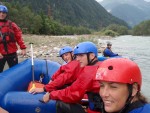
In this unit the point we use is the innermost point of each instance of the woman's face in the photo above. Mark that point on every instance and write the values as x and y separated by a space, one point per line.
114 95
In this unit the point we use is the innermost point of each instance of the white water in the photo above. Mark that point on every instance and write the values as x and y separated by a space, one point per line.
136 48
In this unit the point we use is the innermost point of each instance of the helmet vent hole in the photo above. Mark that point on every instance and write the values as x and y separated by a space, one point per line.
110 67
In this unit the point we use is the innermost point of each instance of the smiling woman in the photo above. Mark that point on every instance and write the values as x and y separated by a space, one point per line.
120 87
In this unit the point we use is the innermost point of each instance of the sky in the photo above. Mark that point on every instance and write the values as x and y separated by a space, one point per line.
99 0
102 0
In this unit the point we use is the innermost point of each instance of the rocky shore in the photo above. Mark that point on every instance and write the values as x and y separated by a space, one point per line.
47 47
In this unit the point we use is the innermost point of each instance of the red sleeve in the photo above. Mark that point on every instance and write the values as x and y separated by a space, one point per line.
76 91
69 68
18 36
58 72
67 76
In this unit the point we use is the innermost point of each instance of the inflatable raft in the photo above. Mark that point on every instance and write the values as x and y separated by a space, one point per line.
102 58
14 83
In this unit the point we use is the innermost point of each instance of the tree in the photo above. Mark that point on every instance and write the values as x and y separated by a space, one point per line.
142 29
121 30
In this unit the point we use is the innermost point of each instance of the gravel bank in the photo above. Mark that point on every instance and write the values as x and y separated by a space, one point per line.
47 47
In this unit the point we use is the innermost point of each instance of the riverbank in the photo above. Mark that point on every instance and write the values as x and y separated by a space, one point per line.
47 47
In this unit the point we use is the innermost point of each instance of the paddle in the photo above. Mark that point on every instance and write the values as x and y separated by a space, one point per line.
32 60
34 84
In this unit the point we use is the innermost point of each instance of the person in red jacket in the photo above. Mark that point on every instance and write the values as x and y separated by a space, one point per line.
66 53
65 75
68 99
10 34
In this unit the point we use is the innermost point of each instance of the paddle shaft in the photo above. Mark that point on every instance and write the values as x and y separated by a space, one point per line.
32 60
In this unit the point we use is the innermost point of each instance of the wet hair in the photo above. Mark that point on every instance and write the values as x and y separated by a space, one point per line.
139 95
142 98
109 44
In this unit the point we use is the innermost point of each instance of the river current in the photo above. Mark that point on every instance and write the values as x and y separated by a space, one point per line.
137 49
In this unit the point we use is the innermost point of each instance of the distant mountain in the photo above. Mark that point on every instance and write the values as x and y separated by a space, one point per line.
131 11
87 13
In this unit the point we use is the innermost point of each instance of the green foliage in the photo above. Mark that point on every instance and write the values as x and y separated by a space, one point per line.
88 14
142 29
61 17
69 30
110 33
40 23
116 29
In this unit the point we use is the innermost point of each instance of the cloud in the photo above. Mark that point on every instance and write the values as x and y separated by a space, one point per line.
99 0
147 0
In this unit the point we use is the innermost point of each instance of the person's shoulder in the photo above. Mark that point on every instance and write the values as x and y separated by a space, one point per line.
147 106
144 109
73 62
91 68
99 63
71 65
12 23
9 21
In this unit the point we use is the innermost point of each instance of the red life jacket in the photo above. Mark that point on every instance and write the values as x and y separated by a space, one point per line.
6 34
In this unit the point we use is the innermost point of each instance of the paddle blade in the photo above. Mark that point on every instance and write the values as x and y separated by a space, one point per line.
35 84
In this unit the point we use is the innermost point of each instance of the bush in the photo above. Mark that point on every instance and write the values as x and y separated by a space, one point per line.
120 30
110 33
142 29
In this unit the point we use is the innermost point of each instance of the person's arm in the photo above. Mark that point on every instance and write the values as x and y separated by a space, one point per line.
18 36
69 67
109 53
76 91
67 77
57 73
3 110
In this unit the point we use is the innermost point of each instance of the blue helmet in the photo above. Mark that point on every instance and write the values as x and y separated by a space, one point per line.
86 47
3 9
64 50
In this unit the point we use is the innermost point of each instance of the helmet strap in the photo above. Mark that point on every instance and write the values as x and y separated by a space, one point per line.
130 97
72 56
91 62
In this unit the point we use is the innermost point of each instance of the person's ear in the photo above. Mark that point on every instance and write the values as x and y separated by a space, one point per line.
72 54
134 89
92 55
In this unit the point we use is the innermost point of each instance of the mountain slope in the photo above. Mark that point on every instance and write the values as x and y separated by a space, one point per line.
131 11
87 13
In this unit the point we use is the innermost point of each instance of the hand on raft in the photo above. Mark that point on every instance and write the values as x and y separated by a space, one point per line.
36 90
46 97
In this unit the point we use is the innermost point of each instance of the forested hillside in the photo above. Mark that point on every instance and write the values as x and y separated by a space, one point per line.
87 13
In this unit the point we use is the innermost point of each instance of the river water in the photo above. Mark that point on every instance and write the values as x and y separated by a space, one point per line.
137 49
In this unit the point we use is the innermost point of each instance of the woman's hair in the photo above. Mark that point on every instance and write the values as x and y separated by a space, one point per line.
141 97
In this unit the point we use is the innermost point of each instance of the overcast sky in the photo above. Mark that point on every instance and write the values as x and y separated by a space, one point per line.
99 0
102 0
